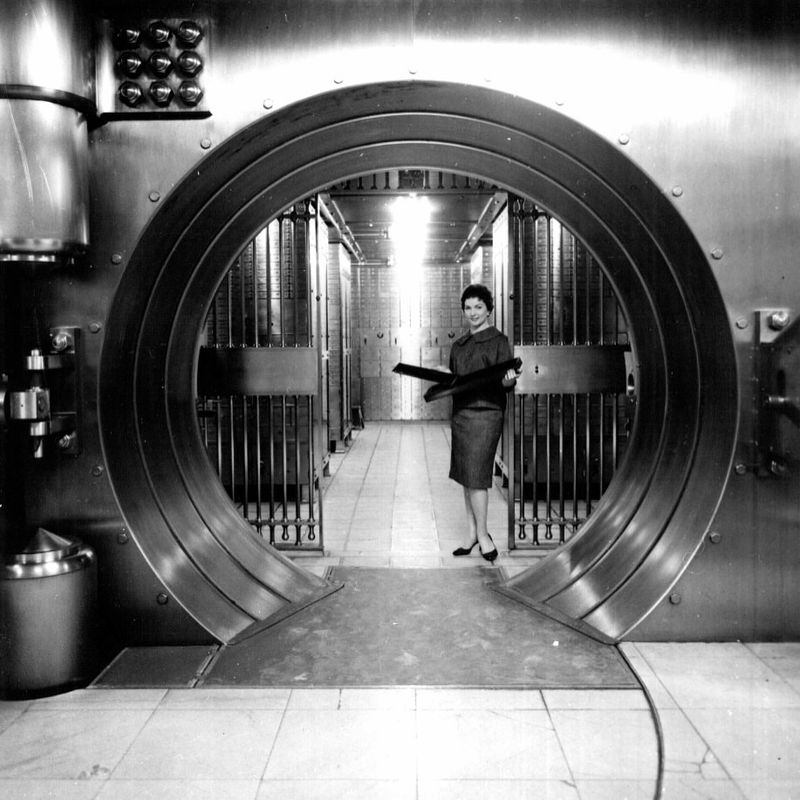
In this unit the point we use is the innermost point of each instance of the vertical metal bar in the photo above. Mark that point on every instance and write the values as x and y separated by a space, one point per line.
535 462
281 255
245 458
298 486
574 292
231 431
219 437
574 463
587 298
614 424
298 229
548 284
241 267
314 522
602 413
601 306
513 268
257 400
559 288
519 445
561 296
271 429
588 444
561 469
285 475
549 460
601 435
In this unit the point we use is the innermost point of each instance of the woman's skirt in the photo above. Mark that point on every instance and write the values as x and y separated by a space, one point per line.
475 433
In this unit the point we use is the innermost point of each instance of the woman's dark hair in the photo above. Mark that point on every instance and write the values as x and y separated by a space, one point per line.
481 292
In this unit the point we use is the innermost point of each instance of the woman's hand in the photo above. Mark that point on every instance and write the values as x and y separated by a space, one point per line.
510 378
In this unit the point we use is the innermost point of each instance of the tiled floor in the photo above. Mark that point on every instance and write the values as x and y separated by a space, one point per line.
729 713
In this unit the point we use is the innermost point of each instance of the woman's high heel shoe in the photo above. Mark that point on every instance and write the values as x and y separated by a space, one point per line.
492 554
464 551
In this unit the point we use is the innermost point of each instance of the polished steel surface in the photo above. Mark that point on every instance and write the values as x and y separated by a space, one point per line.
281 160
47 44
666 137
258 370
44 187
45 76
48 616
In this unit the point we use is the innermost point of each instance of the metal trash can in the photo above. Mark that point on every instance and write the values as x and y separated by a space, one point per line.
48 607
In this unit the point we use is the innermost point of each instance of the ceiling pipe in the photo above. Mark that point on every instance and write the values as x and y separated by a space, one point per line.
333 215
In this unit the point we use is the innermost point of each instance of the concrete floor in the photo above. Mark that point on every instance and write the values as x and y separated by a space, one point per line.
727 721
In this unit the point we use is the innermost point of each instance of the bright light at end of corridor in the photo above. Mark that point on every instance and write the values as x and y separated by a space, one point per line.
409 232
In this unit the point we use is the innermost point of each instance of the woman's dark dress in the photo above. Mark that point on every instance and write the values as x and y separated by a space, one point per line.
477 420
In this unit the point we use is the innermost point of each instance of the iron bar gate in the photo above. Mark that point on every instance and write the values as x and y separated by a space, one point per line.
259 379
574 403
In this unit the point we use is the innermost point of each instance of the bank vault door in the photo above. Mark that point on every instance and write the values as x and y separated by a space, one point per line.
260 381
575 400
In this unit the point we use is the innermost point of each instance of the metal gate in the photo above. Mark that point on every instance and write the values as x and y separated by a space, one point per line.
259 382
575 400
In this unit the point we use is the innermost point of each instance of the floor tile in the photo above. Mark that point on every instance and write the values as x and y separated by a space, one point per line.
682 786
178 790
488 744
620 790
658 693
48 789
685 751
344 745
608 744
755 743
74 743
404 698
422 561
463 699
104 698
315 699
202 744
783 658
595 698
703 675
768 789
497 790
337 790
210 698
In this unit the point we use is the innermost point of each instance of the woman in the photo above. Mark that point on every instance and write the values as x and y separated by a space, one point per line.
477 419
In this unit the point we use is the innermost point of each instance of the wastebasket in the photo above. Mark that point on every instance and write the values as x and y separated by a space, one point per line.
48 606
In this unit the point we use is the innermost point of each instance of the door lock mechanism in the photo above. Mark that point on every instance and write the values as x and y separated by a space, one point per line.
50 403
778 410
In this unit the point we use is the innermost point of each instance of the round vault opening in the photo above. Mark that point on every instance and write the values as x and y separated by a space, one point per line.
653 516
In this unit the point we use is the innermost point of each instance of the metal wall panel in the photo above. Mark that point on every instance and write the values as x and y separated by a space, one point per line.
683 111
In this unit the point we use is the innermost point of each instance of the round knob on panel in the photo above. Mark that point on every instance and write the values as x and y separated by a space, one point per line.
127 36
189 63
189 33
130 64
130 93
160 64
190 93
160 93
160 33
